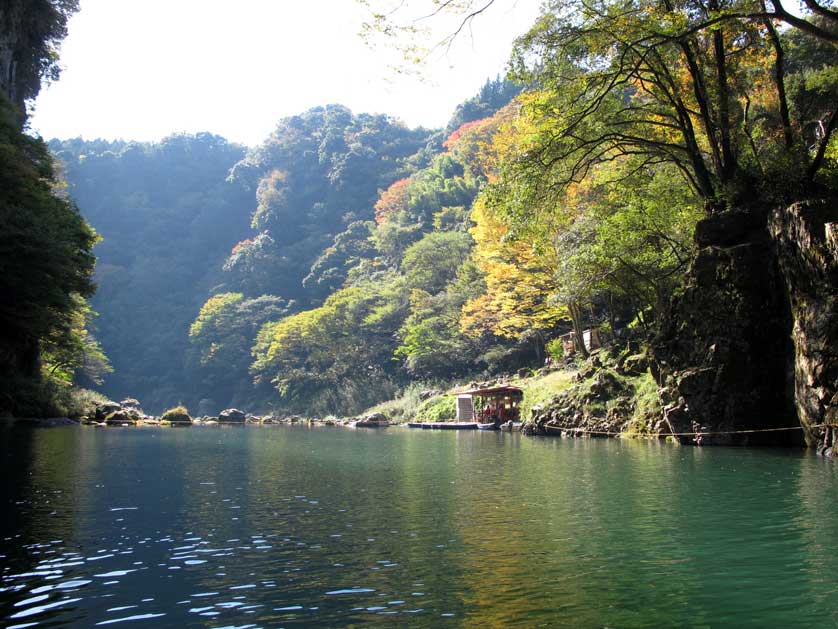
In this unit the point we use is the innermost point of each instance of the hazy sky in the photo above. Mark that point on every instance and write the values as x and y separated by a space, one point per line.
142 69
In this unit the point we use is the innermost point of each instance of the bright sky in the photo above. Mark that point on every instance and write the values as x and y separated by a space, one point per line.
143 69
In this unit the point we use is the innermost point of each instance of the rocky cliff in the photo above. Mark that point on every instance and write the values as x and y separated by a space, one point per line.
806 240
30 32
750 341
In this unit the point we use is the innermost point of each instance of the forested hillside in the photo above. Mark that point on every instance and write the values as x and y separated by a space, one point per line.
351 220
194 216
167 217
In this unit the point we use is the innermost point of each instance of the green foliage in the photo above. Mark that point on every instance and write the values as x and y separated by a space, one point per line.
494 94
555 349
432 344
411 212
631 79
79 402
647 406
315 176
334 358
47 267
403 407
432 262
349 248
71 353
440 408
455 218
222 336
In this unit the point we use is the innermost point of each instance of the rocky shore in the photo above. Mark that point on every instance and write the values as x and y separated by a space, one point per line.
612 395
129 412
616 395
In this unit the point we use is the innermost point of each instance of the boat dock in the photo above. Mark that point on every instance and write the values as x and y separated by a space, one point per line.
443 425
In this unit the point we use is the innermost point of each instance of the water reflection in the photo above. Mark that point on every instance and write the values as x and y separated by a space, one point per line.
280 526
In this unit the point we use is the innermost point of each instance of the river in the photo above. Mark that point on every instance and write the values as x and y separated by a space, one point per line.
290 526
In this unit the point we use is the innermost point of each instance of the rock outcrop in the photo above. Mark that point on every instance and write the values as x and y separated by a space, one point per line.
232 416
601 403
749 342
806 237
122 418
374 420
105 409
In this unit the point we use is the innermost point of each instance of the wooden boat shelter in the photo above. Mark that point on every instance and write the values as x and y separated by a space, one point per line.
498 404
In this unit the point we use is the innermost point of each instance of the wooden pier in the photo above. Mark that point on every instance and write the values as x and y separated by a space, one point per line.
443 425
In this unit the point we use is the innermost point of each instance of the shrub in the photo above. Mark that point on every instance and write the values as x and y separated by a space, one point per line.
647 406
82 402
406 406
441 408
555 349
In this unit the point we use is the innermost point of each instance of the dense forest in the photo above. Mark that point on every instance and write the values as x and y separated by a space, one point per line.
664 173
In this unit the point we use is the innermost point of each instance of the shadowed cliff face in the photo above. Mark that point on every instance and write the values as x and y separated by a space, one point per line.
750 339
30 31
11 27
806 237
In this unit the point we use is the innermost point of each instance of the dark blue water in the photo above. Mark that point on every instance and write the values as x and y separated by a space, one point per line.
278 526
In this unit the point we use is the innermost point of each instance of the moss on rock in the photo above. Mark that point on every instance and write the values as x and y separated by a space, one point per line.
177 415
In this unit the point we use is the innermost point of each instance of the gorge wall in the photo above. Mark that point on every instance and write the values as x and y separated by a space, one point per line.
750 341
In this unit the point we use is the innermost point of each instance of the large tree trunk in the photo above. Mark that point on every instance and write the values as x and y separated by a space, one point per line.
574 308
750 341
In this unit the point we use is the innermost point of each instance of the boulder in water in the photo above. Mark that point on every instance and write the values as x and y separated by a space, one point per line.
120 418
105 409
232 416
375 420
130 403
177 415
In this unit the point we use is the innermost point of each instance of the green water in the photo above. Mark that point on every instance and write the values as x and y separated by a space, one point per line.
278 526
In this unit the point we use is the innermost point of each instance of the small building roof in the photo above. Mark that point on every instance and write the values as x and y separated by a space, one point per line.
501 388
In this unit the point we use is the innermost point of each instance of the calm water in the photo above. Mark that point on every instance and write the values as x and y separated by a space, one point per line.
273 527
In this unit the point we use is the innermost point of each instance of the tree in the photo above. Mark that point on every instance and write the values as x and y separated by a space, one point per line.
222 336
329 271
692 83
432 344
519 283
70 353
686 84
432 262
46 267
316 175
334 358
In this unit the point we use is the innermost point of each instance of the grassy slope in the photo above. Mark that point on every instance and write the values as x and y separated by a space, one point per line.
438 408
